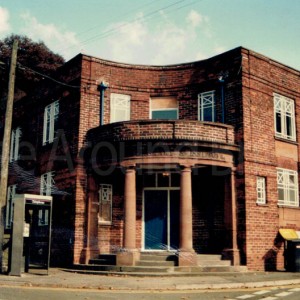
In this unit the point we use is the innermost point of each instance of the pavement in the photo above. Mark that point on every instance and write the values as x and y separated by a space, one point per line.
63 278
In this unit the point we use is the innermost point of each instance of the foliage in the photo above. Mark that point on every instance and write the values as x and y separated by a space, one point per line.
31 55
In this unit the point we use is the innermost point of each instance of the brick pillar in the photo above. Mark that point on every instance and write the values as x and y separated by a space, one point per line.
129 254
91 250
187 255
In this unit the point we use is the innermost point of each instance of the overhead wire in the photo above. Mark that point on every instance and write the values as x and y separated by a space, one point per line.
46 76
117 28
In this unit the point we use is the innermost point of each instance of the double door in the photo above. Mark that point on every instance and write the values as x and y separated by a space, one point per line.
161 219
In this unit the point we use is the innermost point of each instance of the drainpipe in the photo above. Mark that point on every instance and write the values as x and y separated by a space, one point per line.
102 87
221 80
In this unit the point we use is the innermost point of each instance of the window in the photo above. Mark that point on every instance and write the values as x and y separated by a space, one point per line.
284 112
119 108
43 217
105 203
47 183
14 144
206 104
287 185
50 122
164 108
11 191
261 190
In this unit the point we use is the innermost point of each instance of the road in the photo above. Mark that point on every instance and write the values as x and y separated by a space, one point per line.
31 293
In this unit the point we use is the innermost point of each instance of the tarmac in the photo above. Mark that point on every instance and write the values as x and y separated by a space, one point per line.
63 278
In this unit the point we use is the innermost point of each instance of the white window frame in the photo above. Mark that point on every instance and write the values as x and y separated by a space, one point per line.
285 107
261 190
105 197
15 144
50 119
287 181
47 183
11 192
206 100
119 102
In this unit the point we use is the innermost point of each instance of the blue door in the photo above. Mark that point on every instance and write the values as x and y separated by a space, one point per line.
161 219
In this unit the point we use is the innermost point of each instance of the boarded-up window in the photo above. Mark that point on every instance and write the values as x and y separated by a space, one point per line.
164 108
119 108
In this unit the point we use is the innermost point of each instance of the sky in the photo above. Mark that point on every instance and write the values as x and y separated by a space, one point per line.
157 32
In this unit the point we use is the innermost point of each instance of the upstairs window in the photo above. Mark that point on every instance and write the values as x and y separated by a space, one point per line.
261 190
11 191
50 122
287 185
206 105
284 114
105 203
164 108
47 183
119 108
14 144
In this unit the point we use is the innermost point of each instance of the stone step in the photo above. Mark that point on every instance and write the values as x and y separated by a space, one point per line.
154 271
155 263
158 257
202 257
104 259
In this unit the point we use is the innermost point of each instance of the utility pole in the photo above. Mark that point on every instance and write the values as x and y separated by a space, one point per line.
6 145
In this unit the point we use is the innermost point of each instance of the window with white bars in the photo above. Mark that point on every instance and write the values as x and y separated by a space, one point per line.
15 144
284 115
47 183
261 190
206 106
105 203
287 185
119 107
11 191
50 122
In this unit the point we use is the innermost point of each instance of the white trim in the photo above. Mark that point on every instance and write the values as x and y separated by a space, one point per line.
287 186
261 190
201 98
50 117
121 102
285 107
15 144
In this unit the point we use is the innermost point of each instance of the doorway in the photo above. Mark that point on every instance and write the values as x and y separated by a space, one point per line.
161 219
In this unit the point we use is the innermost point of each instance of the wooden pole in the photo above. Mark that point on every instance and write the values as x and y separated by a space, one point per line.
6 145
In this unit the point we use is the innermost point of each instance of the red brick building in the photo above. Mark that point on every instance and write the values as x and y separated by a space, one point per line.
195 158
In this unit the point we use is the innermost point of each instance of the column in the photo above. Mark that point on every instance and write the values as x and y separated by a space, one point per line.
235 250
129 253
187 255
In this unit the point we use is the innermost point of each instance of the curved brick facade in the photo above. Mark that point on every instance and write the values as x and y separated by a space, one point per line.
221 161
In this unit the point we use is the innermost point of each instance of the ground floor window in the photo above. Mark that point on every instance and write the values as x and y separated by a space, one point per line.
261 190
11 191
287 184
105 204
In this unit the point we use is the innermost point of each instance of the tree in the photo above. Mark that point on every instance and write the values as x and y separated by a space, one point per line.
31 55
